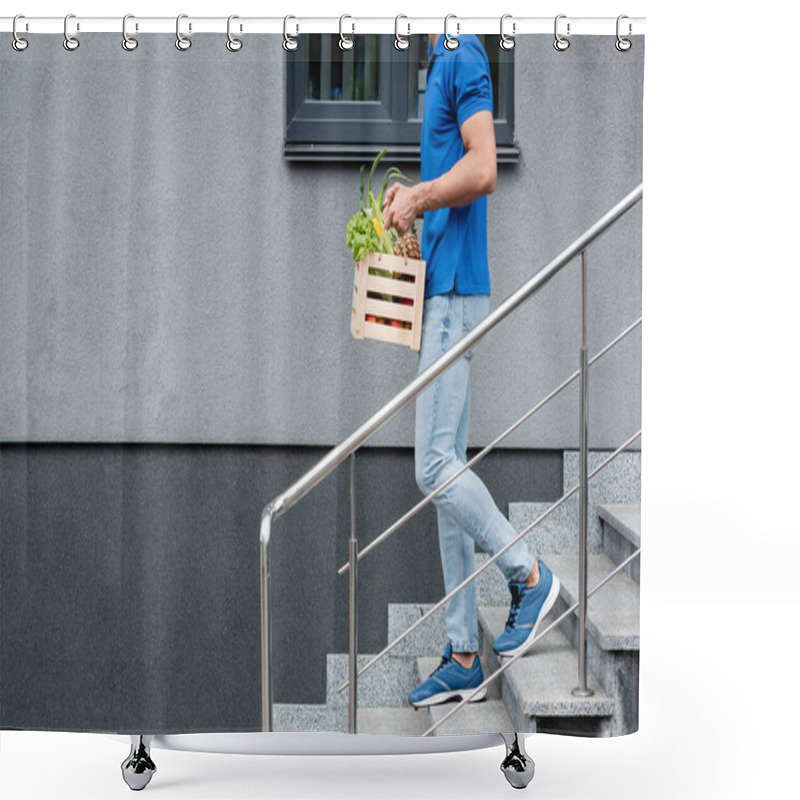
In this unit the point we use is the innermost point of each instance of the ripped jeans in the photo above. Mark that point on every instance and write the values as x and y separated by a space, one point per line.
466 511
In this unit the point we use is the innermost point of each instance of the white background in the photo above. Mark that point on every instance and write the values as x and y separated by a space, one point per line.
719 683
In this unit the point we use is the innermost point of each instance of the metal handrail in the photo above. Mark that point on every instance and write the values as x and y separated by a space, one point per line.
412 512
431 611
507 663
337 455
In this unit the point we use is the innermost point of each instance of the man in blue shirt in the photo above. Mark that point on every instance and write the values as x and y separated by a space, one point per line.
458 171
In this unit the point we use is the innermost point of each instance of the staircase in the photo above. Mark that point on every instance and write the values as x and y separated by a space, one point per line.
535 693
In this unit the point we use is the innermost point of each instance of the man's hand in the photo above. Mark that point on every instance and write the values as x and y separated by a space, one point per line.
400 207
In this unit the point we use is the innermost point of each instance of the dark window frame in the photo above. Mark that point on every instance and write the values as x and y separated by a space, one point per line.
353 129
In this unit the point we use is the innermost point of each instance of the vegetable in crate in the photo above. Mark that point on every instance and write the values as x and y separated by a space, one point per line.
366 230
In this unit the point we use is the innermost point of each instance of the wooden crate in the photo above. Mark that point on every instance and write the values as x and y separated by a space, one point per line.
388 298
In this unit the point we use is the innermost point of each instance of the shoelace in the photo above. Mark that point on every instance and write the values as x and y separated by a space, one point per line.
513 614
442 664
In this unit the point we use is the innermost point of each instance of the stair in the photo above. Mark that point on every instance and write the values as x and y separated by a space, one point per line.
618 483
386 685
622 533
556 533
297 718
392 721
487 715
426 640
535 693
537 688
612 618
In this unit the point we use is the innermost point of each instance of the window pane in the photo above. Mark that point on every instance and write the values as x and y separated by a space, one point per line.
336 74
498 68
417 73
418 66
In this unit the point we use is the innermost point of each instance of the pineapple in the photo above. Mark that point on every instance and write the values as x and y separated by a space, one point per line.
408 245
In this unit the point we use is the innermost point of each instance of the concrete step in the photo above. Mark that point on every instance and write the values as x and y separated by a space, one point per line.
487 716
299 718
385 685
625 518
296 718
537 688
556 533
622 533
612 618
429 639
619 482
612 646
392 721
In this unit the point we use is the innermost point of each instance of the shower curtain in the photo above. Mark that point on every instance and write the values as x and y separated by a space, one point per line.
176 350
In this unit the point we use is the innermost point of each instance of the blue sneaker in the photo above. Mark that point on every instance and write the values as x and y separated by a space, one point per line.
529 606
449 681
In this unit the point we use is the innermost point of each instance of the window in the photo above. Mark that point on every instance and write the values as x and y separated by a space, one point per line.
344 105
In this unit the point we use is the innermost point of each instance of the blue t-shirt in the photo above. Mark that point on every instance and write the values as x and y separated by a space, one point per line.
454 239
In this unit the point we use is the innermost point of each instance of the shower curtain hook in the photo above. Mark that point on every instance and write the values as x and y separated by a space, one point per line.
70 42
561 43
623 44
507 42
234 45
451 42
400 42
288 43
19 44
345 42
128 43
181 42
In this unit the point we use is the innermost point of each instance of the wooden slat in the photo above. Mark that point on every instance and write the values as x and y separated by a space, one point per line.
408 266
375 283
419 301
380 308
359 299
386 333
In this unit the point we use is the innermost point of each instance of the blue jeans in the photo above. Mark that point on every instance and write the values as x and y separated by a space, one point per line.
466 511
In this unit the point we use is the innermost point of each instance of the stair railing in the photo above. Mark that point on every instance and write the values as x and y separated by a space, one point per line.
281 504
469 579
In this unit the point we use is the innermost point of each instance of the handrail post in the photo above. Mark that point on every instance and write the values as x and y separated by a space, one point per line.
583 690
266 630
353 661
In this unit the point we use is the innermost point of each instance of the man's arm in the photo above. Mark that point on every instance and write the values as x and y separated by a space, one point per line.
471 177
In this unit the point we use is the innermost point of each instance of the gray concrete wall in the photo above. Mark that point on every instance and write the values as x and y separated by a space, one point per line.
168 277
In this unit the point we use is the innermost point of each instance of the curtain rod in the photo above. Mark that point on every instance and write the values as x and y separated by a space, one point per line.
512 26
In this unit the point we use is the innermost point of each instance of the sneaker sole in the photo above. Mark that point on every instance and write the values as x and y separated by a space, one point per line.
443 697
549 602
